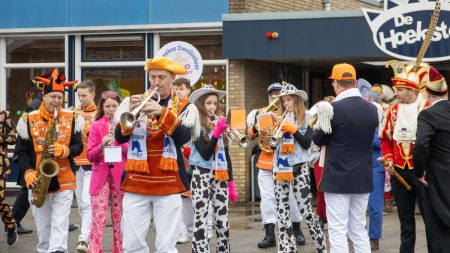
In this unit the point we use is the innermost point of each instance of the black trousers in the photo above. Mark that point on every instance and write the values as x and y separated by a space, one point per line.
21 205
406 205
438 234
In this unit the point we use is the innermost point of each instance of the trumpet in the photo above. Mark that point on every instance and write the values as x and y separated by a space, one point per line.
275 139
263 134
129 119
233 134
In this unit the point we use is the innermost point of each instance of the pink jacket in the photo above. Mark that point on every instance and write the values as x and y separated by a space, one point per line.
100 169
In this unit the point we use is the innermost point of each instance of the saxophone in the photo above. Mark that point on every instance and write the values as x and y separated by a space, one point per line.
48 168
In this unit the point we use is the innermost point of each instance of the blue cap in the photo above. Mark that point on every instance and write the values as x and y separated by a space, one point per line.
274 87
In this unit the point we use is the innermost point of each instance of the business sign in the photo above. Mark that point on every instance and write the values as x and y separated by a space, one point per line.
400 28
186 55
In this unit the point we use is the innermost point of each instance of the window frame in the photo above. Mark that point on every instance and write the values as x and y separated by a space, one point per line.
82 49
4 66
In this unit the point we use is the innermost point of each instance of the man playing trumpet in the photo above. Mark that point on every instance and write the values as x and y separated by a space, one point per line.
155 172
50 211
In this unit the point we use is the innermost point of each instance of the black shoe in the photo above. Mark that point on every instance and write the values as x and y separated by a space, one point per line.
299 237
374 244
269 239
12 237
21 230
72 227
321 222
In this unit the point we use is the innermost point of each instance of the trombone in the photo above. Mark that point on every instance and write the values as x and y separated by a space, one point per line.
233 134
129 119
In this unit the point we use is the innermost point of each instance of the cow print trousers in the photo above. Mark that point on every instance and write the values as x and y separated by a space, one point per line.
303 196
204 189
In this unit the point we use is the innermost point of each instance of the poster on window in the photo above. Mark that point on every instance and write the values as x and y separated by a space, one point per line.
186 55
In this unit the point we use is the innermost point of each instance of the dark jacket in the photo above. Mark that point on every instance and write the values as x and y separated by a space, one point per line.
348 164
431 154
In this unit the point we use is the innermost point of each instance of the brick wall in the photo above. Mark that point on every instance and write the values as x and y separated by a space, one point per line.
240 6
247 90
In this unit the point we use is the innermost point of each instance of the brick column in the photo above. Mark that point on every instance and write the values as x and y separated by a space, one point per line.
248 82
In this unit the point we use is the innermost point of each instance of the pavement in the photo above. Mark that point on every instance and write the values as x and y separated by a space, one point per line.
246 232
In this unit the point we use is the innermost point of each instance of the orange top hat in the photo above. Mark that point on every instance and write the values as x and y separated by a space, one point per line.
54 82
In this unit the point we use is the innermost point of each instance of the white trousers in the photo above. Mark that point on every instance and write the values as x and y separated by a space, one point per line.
268 203
186 223
138 211
52 221
346 214
84 202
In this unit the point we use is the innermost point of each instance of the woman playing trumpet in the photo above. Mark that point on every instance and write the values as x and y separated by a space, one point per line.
212 176
291 167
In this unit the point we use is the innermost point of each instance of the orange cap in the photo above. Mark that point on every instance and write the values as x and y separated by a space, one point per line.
343 71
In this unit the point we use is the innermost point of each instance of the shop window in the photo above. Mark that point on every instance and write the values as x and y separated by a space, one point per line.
114 48
18 88
128 79
28 50
209 46
215 75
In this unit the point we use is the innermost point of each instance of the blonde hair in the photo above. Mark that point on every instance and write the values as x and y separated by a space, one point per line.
299 109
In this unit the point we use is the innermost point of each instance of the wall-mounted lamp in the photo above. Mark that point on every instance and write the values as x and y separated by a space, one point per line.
271 35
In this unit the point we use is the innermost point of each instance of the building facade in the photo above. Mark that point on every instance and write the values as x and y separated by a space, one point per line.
109 40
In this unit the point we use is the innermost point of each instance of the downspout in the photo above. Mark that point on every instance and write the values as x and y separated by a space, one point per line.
326 5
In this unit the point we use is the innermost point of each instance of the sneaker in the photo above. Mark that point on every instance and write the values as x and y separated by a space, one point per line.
12 237
183 238
82 247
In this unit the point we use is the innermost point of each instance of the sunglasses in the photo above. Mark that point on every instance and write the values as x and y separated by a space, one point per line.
109 94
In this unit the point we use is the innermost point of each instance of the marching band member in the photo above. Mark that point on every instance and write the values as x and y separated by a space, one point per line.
346 136
87 109
105 180
291 167
268 204
431 159
155 170
397 134
186 224
212 171
7 137
34 140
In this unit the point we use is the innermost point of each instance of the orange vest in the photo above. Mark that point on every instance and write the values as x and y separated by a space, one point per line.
89 118
265 160
38 130
157 181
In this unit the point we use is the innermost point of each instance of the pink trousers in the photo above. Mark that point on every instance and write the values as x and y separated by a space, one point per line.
99 205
